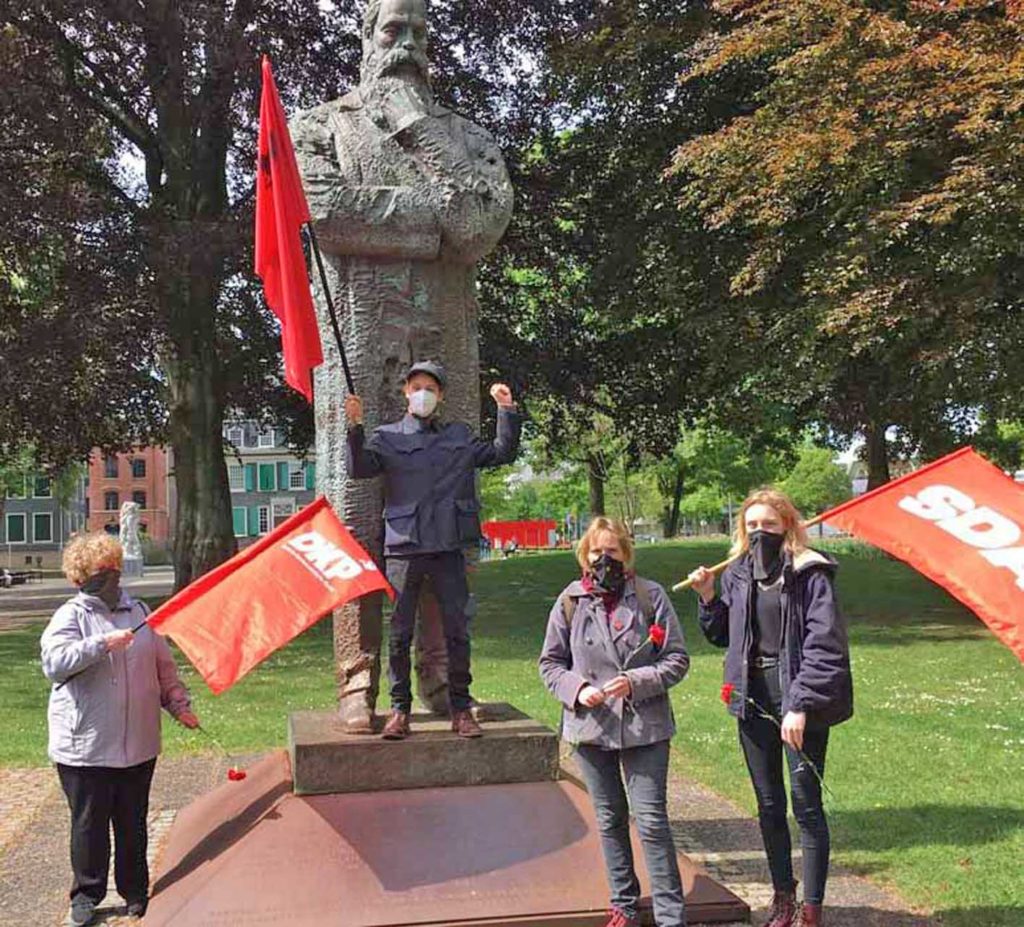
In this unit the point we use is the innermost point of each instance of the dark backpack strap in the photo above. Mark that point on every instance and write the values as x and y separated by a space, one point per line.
568 608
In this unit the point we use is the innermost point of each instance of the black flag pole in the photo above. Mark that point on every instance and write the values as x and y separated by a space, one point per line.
330 307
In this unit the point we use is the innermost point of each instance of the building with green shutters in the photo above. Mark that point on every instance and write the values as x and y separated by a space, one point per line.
269 481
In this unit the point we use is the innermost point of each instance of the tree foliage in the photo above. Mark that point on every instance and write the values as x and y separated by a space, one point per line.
869 208
134 125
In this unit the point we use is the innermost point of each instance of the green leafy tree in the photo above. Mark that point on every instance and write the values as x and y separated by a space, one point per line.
816 482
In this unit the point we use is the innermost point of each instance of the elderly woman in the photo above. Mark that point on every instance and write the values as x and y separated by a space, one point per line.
787 678
110 682
612 650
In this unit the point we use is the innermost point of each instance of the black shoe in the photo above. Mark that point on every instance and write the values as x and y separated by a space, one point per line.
136 908
81 913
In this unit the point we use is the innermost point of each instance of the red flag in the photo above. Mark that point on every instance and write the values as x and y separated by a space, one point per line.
281 211
959 521
235 616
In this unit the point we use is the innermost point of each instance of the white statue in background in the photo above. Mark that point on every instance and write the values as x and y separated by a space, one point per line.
130 540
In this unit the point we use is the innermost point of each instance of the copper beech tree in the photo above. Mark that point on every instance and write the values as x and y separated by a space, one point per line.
870 207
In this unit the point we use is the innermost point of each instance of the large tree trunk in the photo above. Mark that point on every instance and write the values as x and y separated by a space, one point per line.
877 454
672 522
595 481
204 534
189 281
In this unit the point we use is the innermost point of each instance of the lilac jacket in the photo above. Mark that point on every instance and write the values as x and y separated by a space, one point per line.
597 647
110 714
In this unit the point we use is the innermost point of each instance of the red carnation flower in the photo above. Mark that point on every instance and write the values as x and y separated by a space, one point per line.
727 691
657 635
236 775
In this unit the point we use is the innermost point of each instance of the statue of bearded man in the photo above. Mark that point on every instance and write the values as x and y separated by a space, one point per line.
406 197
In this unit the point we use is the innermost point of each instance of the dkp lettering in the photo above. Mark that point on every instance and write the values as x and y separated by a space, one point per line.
326 559
992 534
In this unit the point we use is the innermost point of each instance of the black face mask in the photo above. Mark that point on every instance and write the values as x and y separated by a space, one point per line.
766 549
608 575
105 585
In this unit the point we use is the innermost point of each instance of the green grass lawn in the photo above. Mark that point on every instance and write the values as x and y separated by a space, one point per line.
927 778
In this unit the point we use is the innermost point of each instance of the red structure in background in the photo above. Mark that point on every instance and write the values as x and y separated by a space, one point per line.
538 533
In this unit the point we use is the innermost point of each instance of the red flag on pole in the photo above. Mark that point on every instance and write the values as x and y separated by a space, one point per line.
281 211
960 522
235 616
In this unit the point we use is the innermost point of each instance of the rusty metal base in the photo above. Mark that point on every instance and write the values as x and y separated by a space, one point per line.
253 852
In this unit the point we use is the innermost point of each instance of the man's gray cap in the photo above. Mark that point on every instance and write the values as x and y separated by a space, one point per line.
431 368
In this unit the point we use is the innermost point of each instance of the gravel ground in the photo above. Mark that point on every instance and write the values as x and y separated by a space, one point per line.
34 871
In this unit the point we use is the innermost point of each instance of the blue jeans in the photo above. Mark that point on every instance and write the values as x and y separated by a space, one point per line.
763 750
643 773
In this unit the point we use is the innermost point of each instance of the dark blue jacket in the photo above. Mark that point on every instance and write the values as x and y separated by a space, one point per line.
814 656
429 469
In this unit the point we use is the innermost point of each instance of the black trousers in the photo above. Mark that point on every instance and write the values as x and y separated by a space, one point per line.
763 749
406 574
99 796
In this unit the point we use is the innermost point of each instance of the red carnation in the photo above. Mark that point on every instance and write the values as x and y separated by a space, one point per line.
236 775
727 691
657 635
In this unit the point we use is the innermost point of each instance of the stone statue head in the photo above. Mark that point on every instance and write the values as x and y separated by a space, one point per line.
395 45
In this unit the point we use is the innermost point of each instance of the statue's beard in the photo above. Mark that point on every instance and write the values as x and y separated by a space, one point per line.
384 71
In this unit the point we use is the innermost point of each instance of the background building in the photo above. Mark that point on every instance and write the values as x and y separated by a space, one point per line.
35 525
269 481
139 476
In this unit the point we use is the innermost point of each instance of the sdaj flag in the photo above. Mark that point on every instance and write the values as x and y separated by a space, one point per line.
960 522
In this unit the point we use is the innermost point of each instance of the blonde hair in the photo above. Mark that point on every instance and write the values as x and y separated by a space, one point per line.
613 526
87 554
792 520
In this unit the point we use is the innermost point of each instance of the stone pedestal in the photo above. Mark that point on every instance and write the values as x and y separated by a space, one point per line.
326 759
477 855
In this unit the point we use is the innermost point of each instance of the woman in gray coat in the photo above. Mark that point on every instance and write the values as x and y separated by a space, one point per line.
612 650
109 685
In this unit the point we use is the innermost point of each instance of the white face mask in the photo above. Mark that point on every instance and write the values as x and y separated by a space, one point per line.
422 403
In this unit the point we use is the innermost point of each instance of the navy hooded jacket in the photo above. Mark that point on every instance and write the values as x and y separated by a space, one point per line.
814 655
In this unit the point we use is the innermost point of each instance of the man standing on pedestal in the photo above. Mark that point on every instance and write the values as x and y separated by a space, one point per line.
406 198
430 514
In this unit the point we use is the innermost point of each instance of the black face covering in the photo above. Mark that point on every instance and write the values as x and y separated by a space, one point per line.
106 585
766 549
608 575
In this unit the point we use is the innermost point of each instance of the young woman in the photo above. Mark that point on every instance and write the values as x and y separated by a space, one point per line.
787 658
612 650
109 685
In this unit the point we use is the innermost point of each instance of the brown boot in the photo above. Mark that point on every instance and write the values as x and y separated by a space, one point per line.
809 916
465 725
397 726
783 909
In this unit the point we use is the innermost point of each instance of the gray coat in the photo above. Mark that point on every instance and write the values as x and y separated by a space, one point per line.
429 469
110 714
593 651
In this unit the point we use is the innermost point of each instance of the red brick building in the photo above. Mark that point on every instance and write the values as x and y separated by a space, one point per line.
138 476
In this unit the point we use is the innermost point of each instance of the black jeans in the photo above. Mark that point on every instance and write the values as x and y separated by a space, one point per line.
406 574
763 748
97 797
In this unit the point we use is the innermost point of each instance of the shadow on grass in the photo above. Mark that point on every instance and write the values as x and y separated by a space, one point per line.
924 825
1002 916
864 916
